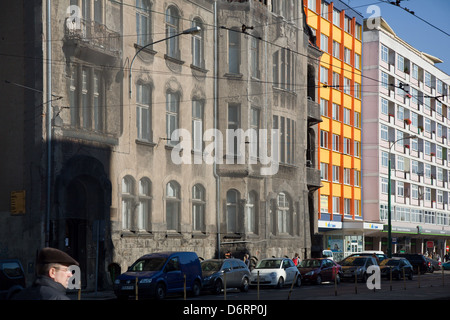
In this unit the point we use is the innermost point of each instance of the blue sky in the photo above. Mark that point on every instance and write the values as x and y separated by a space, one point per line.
416 32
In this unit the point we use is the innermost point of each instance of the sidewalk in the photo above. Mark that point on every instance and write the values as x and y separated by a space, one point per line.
423 293
99 295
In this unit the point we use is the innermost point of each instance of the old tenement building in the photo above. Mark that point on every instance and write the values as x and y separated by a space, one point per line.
95 96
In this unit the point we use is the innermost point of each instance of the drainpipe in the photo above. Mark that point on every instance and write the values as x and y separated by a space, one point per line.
216 176
49 120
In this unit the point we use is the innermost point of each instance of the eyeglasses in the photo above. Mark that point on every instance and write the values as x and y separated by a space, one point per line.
63 269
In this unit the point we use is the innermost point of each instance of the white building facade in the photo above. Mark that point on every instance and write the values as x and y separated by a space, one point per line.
406 108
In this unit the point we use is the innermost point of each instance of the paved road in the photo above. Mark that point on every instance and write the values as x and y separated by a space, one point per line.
434 286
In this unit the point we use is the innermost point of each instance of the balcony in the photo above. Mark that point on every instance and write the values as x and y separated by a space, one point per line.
87 39
313 112
313 178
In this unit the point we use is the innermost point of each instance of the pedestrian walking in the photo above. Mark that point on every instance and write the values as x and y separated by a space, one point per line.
247 260
52 278
296 259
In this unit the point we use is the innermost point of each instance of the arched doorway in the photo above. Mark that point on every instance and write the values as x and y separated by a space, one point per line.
84 198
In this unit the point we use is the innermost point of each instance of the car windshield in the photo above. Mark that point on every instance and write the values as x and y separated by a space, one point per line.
269 264
11 269
390 262
151 264
310 264
353 261
211 265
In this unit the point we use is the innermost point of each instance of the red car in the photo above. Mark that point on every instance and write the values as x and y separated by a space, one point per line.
320 270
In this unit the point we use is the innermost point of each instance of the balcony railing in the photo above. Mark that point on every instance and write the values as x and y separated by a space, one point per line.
92 33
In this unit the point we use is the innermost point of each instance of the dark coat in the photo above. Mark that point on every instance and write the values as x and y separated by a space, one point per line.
43 288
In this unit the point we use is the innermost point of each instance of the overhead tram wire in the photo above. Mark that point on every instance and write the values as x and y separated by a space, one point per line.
397 4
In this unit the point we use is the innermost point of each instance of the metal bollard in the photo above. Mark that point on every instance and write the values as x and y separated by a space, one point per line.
184 286
292 286
257 285
418 273
390 278
136 289
224 286
335 283
404 279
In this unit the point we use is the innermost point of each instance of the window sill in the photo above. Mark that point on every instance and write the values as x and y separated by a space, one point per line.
145 143
146 50
199 69
233 75
173 59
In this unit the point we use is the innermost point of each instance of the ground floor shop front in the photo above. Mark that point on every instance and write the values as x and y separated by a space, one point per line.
345 238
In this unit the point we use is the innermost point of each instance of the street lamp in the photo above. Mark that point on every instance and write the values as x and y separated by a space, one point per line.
193 30
389 251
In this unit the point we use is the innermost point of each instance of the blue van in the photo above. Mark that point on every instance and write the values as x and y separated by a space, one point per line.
158 274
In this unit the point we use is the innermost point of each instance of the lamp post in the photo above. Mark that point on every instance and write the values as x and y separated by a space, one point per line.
193 30
389 251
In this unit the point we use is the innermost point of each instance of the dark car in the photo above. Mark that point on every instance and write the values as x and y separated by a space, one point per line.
218 273
396 267
12 277
319 270
356 267
433 265
158 274
418 261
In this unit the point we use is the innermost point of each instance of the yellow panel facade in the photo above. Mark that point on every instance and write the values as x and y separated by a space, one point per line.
347 161
337 96
336 159
336 190
348 192
357 134
336 127
325 190
347 132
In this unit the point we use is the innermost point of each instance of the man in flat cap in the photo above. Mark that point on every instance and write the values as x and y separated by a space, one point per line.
52 279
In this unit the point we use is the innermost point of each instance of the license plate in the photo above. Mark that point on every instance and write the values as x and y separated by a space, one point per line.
127 287
348 275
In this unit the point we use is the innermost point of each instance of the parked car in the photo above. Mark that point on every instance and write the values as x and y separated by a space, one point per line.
356 267
446 265
397 266
12 277
418 261
158 274
319 270
433 265
216 271
275 272
379 254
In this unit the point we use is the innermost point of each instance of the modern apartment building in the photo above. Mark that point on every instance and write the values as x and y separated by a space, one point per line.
338 30
407 124
96 93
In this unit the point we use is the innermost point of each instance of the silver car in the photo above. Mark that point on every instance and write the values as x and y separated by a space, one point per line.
218 273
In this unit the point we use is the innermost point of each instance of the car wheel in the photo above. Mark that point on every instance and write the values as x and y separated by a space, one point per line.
160 293
280 283
245 285
196 288
319 279
217 289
